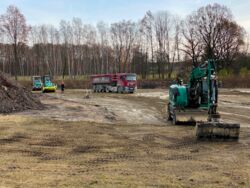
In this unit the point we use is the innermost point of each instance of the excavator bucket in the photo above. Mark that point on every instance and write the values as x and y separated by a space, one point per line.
220 130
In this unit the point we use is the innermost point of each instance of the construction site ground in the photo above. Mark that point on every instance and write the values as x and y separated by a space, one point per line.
84 139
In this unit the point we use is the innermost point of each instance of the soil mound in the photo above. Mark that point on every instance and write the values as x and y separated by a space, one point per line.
16 98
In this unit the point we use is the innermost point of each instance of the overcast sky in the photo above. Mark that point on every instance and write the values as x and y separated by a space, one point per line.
91 11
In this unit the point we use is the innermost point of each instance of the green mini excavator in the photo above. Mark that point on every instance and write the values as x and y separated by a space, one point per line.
197 102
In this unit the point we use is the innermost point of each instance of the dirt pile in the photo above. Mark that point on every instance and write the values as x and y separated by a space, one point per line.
15 98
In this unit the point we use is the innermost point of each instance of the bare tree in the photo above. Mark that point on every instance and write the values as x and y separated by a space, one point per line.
229 43
246 47
123 36
151 46
210 32
78 37
163 25
147 28
103 36
177 39
53 35
192 45
175 44
14 26
65 30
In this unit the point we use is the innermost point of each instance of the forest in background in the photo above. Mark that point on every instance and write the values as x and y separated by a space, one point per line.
159 46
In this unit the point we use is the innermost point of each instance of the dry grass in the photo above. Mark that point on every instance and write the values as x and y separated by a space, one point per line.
45 153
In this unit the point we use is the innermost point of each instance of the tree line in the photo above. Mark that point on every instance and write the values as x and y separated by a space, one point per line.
152 46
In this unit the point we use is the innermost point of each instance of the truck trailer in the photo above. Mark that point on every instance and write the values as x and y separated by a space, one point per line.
119 82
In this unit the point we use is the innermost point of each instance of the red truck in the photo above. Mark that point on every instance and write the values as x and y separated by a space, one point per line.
120 83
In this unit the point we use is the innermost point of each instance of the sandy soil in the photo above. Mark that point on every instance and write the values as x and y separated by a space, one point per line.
144 107
115 140
102 108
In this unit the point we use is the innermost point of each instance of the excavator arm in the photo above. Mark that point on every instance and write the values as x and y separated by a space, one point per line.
214 127
203 86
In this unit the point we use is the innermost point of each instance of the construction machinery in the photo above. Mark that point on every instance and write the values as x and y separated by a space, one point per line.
48 85
37 83
118 82
197 102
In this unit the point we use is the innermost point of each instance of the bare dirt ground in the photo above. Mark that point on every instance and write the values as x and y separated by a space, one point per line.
114 140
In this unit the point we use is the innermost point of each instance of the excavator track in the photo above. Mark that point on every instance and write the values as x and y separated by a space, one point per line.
217 130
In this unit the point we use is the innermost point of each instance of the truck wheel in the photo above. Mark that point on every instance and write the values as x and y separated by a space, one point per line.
107 90
98 89
119 89
103 89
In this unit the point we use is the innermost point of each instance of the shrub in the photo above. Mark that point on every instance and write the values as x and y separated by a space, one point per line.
224 73
244 72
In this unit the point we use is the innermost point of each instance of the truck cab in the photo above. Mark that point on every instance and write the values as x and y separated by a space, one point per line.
48 85
127 83
118 82
37 83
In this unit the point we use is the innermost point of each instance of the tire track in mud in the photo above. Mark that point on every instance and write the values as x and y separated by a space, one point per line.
146 145
174 148
117 109
75 109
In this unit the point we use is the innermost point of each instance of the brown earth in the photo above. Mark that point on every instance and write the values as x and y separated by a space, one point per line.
112 140
15 98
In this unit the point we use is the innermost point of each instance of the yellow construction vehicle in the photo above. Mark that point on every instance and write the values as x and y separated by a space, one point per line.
48 85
